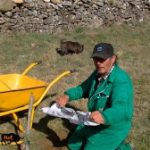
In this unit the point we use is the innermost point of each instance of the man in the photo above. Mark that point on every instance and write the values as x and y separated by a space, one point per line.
109 91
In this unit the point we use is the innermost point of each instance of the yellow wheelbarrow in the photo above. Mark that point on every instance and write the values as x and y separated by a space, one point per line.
16 89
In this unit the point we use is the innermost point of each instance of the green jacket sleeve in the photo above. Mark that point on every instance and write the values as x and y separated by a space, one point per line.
80 91
121 103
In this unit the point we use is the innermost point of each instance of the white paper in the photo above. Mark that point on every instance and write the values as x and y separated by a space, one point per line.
76 117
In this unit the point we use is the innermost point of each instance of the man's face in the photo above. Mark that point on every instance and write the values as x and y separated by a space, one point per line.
103 66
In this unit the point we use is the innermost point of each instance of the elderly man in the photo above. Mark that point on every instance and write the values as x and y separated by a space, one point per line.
109 91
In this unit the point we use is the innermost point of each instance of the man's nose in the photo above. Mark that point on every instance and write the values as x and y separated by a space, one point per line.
98 62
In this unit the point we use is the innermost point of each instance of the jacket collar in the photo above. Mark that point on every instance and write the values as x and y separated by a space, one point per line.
112 74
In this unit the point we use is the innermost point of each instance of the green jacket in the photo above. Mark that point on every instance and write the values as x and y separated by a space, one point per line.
113 98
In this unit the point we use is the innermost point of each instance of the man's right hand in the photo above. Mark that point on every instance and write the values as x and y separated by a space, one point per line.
63 100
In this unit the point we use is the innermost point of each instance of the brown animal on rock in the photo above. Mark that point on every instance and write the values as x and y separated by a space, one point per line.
69 47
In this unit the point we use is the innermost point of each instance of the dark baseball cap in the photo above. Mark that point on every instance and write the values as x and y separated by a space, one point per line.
103 50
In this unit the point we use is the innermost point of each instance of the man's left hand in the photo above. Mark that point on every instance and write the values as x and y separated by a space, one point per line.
97 117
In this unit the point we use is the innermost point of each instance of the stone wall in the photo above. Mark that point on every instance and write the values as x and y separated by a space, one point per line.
55 15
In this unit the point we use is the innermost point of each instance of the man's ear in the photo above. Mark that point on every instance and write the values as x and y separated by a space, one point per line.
114 57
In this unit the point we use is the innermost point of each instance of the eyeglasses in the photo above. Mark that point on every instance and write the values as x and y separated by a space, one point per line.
101 60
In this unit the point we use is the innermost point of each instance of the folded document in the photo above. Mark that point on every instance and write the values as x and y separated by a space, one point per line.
76 117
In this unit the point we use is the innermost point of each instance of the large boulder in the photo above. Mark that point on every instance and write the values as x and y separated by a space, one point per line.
6 5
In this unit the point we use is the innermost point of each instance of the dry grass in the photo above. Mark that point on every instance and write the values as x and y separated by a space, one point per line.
132 46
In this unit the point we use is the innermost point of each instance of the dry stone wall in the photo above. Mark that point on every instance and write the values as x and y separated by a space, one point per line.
55 15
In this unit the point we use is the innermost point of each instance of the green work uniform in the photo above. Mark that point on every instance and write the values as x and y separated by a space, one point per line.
113 97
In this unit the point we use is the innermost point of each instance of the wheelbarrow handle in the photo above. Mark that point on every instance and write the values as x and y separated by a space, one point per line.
54 81
30 67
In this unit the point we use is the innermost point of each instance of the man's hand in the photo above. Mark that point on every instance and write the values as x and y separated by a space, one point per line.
97 117
62 101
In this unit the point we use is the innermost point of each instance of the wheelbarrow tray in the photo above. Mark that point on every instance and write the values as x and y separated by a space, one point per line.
19 92
16 89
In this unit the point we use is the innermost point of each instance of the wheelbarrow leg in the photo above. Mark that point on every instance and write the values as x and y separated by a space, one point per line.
17 121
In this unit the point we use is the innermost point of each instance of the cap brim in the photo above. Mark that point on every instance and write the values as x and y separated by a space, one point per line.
99 56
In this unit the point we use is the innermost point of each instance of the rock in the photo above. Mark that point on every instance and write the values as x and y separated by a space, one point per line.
8 14
18 1
6 5
28 1
56 1
47 1
35 13
2 21
16 9
67 3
